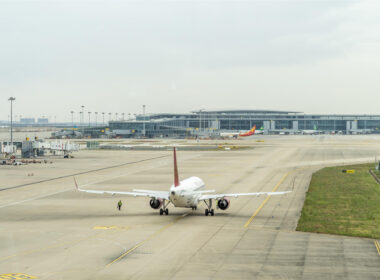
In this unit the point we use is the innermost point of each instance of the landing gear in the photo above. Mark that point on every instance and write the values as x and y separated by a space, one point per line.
209 209
211 212
164 209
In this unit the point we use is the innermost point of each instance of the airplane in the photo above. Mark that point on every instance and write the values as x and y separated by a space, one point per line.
311 132
240 134
187 193
67 134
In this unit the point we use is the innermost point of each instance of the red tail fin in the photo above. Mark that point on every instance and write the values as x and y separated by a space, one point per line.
250 132
176 180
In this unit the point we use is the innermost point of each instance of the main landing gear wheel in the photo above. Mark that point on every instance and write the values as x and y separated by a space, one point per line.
166 211
161 211
209 210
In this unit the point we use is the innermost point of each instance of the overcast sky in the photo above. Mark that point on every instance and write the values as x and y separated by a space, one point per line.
178 56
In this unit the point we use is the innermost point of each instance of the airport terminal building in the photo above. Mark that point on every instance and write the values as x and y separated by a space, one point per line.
211 123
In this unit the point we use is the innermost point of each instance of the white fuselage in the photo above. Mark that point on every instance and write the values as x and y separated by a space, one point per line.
187 193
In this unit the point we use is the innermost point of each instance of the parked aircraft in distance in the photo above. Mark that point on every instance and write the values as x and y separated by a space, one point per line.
239 133
311 132
187 193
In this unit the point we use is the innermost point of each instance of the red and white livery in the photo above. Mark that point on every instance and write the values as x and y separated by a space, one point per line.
187 193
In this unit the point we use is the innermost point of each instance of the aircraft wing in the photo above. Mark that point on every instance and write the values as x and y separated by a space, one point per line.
222 195
149 191
153 194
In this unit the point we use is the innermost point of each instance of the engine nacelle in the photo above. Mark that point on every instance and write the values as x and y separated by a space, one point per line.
155 203
224 203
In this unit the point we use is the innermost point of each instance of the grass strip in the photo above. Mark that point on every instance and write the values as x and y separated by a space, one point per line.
342 203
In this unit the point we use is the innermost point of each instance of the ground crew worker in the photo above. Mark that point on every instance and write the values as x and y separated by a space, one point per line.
119 204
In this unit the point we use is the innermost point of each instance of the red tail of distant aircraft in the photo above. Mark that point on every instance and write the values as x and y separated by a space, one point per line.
249 133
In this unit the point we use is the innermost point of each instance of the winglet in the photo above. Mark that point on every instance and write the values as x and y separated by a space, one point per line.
176 180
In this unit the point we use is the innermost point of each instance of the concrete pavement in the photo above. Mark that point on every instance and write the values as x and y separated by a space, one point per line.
50 231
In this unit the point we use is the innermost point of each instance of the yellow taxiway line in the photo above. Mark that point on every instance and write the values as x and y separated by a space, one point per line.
147 239
265 201
377 244
16 276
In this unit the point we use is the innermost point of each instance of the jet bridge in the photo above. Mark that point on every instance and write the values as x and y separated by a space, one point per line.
38 148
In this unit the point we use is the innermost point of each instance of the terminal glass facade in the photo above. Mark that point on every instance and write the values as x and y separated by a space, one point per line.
210 123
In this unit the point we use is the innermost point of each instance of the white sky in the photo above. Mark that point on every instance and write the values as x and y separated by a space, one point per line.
178 56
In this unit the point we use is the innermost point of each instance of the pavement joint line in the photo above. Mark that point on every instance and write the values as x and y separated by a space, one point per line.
258 228
377 246
80 173
148 239
65 190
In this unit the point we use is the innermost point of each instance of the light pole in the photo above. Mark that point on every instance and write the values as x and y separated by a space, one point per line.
129 116
89 119
103 117
116 117
11 99
109 119
123 115
200 121
144 120
96 118
82 118
72 119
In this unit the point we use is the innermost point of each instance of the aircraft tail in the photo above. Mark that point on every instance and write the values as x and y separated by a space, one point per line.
176 179
253 129
250 132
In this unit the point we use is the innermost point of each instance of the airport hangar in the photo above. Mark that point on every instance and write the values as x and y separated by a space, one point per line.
210 123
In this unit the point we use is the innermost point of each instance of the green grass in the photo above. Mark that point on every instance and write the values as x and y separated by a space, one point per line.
341 203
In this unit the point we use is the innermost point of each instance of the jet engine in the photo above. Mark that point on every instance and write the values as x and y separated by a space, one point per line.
224 203
155 203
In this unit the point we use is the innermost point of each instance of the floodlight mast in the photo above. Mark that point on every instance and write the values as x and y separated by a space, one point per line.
89 119
11 99
72 119
144 120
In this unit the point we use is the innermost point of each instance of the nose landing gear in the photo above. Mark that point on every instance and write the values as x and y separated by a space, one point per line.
164 209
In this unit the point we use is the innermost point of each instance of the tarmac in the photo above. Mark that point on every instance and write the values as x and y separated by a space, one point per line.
48 230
